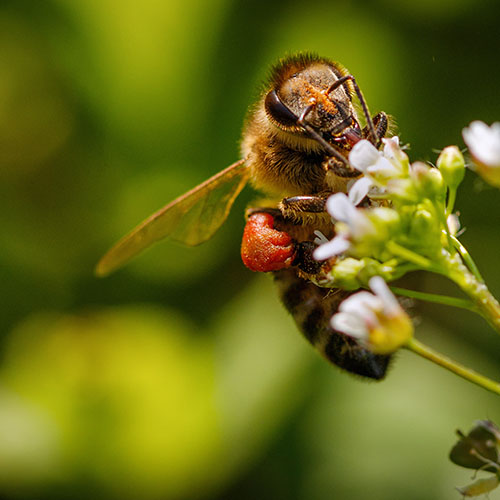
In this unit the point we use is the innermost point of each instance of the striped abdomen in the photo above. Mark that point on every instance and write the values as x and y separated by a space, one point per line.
312 307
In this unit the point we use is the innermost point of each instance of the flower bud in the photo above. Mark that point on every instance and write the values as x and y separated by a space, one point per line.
384 222
428 181
425 231
345 273
452 166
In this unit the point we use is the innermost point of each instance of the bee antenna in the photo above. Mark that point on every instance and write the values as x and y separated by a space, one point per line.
366 112
317 137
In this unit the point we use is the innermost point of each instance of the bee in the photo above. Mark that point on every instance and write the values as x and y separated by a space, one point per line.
295 145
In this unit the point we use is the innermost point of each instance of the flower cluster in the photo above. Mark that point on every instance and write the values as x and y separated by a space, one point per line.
402 227
398 217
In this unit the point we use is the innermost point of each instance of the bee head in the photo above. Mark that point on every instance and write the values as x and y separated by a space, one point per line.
308 93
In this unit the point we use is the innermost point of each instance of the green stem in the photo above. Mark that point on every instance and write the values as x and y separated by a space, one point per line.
409 255
443 213
477 291
460 370
438 299
452 195
466 258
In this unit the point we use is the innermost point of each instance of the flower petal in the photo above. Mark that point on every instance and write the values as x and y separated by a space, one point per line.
483 142
383 168
359 190
350 324
333 248
340 207
363 155
391 146
382 291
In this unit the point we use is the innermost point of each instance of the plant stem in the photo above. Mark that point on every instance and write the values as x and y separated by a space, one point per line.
458 369
436 298
452 195
467 258
409 255
478 292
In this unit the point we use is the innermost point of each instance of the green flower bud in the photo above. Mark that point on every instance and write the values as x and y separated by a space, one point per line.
452 166
372 267
428 181
345 273
385 223
424 229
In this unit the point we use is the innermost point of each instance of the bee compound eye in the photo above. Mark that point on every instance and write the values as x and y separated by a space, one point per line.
279 111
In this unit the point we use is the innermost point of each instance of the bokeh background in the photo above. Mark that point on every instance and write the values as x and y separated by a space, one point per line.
181 376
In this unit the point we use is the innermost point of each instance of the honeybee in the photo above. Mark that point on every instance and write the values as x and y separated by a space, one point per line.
295 144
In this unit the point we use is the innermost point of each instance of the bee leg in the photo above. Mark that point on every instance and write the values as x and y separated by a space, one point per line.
304 259
381 123
312 307
290 207
265 248
339 170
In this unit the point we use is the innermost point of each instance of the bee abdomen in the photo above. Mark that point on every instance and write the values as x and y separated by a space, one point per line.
312 307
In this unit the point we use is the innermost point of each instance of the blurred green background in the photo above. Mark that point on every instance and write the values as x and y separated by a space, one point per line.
181 376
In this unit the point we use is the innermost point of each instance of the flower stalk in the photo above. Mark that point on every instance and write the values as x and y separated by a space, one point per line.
462 371
487 305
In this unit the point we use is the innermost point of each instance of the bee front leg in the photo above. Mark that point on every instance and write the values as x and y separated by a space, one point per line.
381 123
263 247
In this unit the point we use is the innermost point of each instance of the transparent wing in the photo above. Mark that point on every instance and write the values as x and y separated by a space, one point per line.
191 219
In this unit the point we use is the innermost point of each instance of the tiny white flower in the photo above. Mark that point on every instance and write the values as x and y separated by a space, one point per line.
376 320
484 145
363 155
483 142
341 208
379 166
355 227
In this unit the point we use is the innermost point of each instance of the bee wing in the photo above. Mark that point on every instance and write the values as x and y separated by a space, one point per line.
190 219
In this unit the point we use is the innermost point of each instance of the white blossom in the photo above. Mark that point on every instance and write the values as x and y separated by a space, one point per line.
484 145
357 225
483 142
379 166
375 320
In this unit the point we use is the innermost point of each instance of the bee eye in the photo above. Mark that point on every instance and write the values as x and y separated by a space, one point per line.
278 110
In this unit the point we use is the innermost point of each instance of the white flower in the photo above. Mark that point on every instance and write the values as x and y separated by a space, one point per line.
483 142
357 226
376 320
484 145
379 166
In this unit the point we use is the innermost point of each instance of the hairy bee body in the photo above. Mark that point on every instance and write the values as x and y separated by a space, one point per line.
294 149
285 162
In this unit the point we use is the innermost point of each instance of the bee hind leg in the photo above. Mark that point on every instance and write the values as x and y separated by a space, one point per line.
264 248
